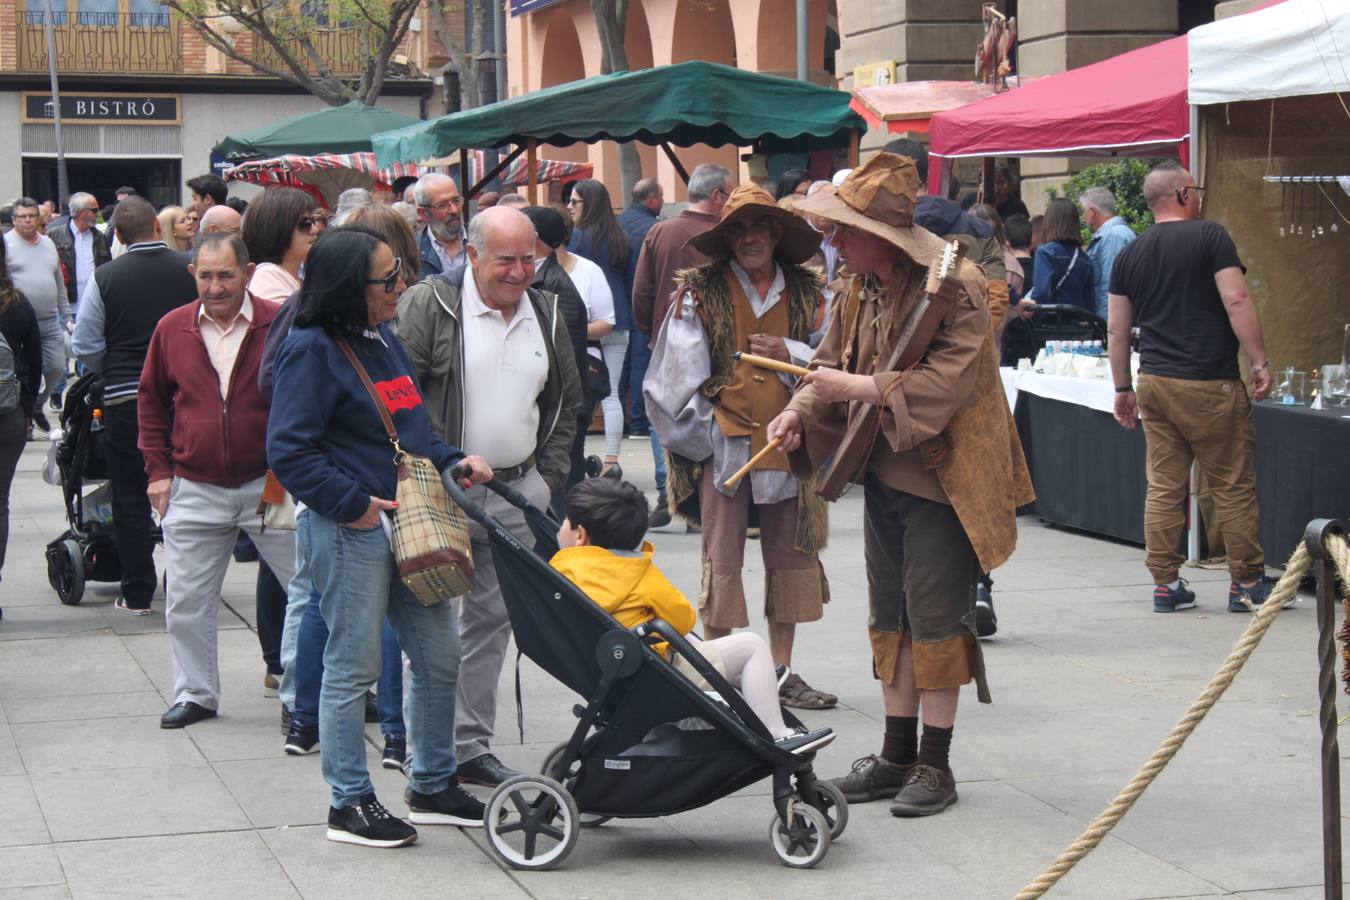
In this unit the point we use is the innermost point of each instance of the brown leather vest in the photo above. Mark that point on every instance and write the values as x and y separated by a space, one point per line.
754 396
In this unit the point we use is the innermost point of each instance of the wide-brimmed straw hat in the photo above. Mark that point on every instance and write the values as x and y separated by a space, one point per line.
750 201
879 197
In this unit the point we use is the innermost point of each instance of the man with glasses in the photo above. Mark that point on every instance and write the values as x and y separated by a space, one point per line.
35 268
665 251
440 243
754 295
1182 283
81 246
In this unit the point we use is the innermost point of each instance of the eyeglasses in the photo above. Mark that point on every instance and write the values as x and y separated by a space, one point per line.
306 223
25 215
452 203
575 201
390 280
1181 193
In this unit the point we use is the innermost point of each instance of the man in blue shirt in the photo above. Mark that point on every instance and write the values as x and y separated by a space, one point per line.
1110 235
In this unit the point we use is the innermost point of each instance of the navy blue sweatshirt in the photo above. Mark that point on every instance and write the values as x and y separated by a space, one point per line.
325 441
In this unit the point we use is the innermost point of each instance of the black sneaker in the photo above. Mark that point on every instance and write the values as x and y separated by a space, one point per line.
372 709
803 740
40 420
1256 594
395 751
486 770
451 806
660 516
285 720
872 778
986 623
55 403
301 739
927 790
369 824
1167 600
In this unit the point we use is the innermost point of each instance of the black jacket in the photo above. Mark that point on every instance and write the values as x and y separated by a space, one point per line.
19 325
59 231
553 278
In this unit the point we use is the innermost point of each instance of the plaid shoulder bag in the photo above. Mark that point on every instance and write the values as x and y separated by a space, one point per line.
431 532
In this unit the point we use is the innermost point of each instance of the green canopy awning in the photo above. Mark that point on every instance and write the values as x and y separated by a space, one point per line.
683 104
337 129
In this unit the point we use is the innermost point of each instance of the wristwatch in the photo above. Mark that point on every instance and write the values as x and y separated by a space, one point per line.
1129 388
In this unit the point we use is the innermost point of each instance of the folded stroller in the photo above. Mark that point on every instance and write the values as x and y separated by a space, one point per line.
647 742
87 550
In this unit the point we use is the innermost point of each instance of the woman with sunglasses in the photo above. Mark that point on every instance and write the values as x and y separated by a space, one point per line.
278 229
598 237
327 444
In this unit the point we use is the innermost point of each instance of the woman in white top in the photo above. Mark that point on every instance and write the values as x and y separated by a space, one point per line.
278 230
595 293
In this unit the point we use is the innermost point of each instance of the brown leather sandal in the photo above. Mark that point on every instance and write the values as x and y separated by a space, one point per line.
797 694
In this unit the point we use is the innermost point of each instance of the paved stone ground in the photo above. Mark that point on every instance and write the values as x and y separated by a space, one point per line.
97 801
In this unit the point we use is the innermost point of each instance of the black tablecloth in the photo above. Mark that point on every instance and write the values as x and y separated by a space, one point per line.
1089 472
1302 472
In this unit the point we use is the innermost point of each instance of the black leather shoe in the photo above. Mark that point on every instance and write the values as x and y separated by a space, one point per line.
486 770
183 714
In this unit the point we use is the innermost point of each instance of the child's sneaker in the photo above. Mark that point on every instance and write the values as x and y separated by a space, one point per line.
1166 599
802 741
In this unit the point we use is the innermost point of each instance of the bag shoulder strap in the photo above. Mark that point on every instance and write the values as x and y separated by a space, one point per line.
389 428
1065 277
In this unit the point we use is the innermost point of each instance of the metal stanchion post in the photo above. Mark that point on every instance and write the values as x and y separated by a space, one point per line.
1315 540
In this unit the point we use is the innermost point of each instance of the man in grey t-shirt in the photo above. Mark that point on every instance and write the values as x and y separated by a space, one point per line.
35 268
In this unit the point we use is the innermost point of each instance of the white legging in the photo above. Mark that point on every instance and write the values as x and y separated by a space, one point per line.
614 347
749 666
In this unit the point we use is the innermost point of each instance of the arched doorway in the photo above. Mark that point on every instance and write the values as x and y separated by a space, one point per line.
701 31
560 62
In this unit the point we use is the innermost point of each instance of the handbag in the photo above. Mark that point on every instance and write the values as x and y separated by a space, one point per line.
431 533
597 376
276 506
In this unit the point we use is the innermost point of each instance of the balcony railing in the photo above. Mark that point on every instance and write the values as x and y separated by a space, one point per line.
102 42
339 47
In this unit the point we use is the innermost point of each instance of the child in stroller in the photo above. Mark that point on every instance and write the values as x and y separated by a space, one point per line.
599 540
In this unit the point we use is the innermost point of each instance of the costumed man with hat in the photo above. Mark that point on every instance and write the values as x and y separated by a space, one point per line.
711 413
942 477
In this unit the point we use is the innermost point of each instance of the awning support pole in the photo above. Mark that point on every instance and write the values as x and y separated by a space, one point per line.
532 163
464 180
488 176
854 137
675 161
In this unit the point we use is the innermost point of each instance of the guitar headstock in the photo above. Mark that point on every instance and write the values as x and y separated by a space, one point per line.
939 270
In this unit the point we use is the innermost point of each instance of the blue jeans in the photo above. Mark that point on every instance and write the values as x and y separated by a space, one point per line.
358 586
659 458
309 672
639 355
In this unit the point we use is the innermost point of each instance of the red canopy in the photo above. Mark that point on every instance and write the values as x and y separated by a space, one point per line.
1133 104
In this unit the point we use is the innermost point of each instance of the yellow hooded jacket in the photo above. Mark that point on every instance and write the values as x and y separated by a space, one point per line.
629 588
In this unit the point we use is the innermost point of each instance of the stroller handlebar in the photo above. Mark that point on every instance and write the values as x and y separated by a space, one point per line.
450 480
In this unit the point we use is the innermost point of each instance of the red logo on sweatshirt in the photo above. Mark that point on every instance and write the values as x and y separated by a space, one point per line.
399 393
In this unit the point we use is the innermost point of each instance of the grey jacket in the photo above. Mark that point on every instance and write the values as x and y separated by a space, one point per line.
430 328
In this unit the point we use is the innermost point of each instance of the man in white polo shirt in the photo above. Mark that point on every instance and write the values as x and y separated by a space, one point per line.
495 362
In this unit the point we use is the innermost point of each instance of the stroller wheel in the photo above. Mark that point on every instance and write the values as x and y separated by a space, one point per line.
586 819
833 806
531 822
65 571
805 842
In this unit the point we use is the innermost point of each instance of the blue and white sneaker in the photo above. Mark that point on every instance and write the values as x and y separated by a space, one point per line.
1239 596
1169 600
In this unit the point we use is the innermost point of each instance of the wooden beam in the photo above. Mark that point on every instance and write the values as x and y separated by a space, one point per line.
854 137
532 162
675 161
986 181
488 176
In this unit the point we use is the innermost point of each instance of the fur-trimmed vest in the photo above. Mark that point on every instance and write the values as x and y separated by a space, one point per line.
708 286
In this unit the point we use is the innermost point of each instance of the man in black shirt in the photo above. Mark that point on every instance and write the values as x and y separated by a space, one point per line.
1182 283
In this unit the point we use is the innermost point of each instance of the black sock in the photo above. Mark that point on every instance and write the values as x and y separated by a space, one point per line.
935 746
899 746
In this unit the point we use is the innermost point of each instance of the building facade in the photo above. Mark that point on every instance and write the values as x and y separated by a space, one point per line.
144 98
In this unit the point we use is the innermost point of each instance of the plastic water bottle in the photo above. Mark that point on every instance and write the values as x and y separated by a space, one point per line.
97 423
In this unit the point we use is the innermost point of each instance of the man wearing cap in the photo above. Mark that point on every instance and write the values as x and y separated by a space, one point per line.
941 483
754 296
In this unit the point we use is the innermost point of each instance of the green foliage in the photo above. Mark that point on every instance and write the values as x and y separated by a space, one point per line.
1126 181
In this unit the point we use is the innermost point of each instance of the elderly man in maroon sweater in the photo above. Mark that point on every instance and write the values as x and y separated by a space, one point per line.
203 432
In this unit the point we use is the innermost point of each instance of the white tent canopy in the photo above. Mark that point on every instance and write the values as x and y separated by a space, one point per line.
1290 49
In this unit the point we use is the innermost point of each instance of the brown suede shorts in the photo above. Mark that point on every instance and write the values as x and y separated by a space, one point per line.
921 578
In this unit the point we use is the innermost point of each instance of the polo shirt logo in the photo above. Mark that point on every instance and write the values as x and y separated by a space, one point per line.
399 393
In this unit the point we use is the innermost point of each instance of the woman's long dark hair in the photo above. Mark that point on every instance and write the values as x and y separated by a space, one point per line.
333 295
1061 223
788 182
600 230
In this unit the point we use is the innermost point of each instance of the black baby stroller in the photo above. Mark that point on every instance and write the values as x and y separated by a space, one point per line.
1024 338
86 551
648 742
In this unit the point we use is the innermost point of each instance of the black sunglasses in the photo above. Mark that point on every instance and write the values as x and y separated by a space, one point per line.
391 279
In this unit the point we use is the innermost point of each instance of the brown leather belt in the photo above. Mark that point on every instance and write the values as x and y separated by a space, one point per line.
512 473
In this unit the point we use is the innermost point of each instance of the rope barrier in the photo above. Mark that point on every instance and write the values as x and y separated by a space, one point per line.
1285 589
